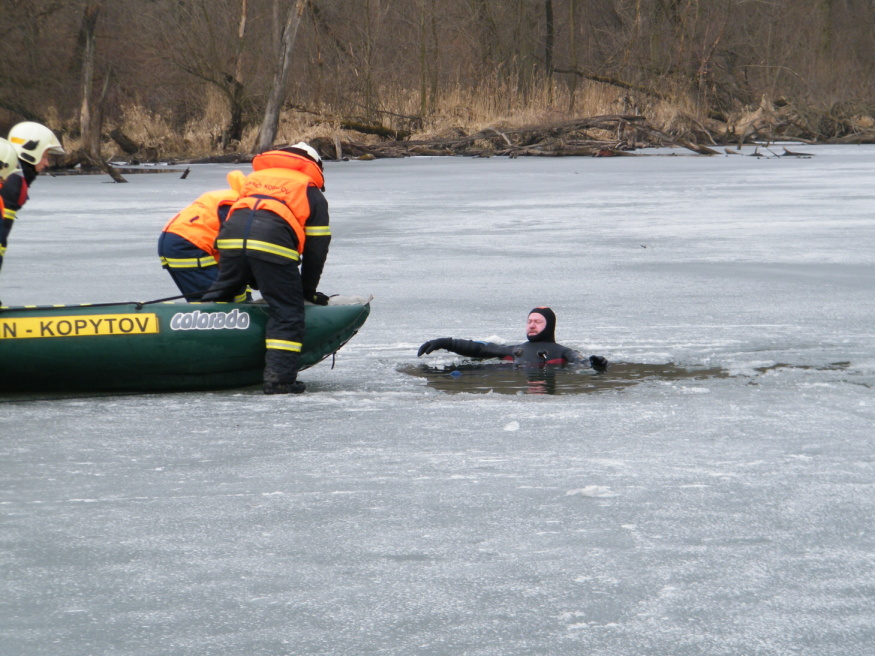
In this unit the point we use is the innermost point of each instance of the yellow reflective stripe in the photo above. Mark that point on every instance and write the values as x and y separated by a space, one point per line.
188 262
255 245
2 251
229 244
244 296
266 247
317 231
283 345
9 214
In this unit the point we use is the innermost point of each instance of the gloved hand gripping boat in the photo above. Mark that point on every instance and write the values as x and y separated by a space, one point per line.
154 347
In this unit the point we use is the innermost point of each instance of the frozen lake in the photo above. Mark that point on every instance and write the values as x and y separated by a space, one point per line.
396 510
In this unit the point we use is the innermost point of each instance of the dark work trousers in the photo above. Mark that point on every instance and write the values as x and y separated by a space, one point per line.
184 262
280 286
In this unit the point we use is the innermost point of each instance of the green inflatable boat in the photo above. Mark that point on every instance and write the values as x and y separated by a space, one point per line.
155 347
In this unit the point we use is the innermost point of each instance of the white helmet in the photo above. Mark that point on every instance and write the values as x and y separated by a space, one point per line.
33 140
308 150
8 159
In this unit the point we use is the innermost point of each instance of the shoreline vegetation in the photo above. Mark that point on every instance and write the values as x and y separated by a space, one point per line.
556 136
221 80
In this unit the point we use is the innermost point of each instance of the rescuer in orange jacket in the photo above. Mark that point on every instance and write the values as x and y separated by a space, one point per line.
280 219
187 243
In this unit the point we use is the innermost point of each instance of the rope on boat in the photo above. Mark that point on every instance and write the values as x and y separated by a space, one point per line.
138 304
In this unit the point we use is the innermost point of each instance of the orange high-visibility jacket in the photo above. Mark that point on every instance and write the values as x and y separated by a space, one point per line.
279 184
199 223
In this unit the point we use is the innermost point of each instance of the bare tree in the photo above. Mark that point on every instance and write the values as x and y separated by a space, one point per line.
549 40
572 42
238 95
89 113
423 58
35 43
198 38
393 60
277 96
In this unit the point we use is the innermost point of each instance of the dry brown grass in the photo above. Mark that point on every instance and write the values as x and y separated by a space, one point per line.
504 107
495 105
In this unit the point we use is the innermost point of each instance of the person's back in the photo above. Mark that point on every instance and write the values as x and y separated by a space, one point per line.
540 349
186 245
280 218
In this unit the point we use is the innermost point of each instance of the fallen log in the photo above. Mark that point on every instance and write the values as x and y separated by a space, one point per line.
622 84
696 148
378 130
122 170
790 153
128 145
577 137
520 137
867 137
85 160
230 158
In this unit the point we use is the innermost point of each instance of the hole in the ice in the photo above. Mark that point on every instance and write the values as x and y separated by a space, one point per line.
482 378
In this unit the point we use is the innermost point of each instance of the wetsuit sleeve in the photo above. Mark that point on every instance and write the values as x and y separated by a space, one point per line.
318 235
574 357
596 362
473 349
467 347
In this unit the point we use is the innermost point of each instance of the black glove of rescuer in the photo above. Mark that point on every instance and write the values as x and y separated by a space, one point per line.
316 298
434 345
598 363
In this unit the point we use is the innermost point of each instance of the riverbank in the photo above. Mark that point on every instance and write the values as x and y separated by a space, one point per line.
143 138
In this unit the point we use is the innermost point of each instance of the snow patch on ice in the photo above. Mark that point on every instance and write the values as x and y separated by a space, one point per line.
694 390
591 491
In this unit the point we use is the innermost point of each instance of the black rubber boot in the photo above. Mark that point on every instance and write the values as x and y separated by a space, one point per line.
295 387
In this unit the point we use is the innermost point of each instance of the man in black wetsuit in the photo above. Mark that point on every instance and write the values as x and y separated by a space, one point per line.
541 348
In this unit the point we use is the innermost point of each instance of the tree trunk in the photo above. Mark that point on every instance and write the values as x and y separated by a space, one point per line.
423 63
826 27
572 30
234 131
549 39
241 36
89 122
270 124
487 35
124 142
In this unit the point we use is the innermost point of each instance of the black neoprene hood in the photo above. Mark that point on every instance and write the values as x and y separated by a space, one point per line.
549 332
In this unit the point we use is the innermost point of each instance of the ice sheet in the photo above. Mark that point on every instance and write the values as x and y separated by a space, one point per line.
376 514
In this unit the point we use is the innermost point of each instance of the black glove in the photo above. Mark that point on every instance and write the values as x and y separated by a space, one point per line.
598 363
434 345
316 298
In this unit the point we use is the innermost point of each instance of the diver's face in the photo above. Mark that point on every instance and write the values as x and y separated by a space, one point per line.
535 324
